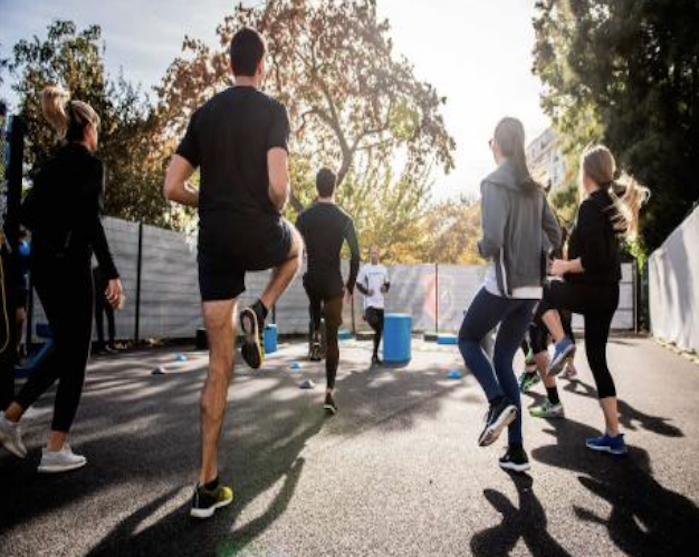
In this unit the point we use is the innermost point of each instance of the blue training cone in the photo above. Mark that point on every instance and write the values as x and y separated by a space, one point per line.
180 358
295 366
455 374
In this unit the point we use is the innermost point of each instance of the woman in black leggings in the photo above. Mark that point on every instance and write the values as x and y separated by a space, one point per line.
63 212
591 278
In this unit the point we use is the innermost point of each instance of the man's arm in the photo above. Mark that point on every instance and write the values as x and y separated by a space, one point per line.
386 283
177 187
279 187
351 237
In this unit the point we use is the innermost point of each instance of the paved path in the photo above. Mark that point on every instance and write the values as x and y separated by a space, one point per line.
396 473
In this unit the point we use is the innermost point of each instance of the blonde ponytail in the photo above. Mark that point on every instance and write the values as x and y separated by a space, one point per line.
54 100
627 194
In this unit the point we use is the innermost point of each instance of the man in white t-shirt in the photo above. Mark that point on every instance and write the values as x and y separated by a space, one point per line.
374 283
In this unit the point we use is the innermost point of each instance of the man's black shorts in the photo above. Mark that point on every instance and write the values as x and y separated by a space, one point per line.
229 249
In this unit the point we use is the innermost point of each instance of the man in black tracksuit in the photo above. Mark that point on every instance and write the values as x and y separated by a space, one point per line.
325 227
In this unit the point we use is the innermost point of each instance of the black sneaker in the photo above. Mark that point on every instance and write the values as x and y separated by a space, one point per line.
252 323
207 501
515 459
330 406
499 416
315 354
376 361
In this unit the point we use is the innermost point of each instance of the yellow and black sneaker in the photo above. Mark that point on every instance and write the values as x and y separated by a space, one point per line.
252 322
207 499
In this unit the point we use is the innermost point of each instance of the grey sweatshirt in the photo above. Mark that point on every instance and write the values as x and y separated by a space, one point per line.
519 229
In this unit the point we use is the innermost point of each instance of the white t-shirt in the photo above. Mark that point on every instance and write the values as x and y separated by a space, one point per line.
373 277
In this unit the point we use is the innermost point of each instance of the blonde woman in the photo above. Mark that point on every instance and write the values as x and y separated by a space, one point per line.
63 213
591 276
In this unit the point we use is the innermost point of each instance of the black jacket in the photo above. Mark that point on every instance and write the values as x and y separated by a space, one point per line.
63 210
595 242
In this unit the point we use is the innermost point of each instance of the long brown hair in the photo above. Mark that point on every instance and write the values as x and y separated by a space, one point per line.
628 195
509 135
68 117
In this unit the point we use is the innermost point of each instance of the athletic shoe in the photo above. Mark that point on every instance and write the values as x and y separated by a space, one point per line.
563 350
53 462
376 361
528 380
315 354
547 410
607 444
206 502
252 351
515 459
11 437
570 373
499 416
530 360
330 406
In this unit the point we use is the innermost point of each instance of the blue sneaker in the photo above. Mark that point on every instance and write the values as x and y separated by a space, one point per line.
607 444
563 350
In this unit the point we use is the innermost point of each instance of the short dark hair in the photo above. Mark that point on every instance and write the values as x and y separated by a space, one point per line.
247 51
325 182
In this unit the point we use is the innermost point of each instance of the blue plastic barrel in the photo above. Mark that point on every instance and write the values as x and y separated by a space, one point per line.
397 337
270 339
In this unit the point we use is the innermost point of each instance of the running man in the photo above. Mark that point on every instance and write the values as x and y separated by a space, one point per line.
325 227
238 141
374 283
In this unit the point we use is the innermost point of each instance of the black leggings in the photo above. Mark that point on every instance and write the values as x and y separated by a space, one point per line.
539 335
375 318
329 308
597 303
66 292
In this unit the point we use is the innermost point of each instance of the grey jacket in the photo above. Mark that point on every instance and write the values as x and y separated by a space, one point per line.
519 229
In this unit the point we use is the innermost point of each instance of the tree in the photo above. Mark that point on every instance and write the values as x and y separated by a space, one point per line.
453 228
129 134
627 73
353 103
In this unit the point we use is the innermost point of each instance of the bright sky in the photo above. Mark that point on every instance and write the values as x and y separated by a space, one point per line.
477 54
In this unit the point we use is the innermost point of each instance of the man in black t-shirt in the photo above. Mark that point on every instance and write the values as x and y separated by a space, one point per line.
325 228
239 141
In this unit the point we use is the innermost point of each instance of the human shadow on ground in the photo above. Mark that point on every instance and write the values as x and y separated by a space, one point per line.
524 520
646 519
140 433
630 418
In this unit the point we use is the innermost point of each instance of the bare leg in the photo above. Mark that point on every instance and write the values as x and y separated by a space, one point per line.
552 320
611 415
542 366
220 329
285 273
56 440
14 412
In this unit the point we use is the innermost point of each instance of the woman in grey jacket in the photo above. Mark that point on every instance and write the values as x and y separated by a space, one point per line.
519 229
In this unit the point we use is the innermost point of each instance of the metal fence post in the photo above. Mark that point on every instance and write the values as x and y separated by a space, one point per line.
139 269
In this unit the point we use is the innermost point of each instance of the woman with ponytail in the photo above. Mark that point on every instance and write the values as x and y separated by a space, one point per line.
591 276
63 212
519 229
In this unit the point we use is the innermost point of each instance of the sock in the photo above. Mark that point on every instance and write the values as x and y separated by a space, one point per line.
260 309
552 393
531 373
213 484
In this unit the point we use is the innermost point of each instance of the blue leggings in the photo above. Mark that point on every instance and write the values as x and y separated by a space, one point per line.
497 378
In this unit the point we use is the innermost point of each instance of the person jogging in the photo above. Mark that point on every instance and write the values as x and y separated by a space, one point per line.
63 211
519 229
239 142
103 309
374 283
591 276
325 228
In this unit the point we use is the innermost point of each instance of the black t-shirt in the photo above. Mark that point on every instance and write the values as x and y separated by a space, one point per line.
595 242
325 227
228 139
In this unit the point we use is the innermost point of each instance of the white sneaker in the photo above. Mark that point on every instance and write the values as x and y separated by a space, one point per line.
60 461
11 437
